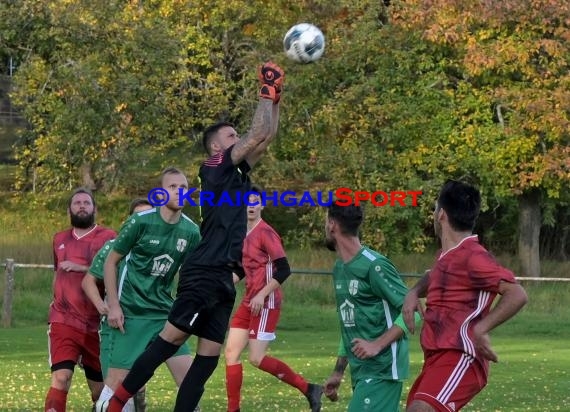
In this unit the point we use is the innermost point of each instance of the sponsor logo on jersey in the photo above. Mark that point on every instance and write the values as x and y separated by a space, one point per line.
62 246
154 242
451 405
353 287
347 314
181 245
161 265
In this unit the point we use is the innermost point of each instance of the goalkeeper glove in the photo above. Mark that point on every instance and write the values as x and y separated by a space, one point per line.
270 92
272 75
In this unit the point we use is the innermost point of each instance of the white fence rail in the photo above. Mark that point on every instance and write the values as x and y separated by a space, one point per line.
10 268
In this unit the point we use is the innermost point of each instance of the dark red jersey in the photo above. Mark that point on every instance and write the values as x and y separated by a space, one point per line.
70 304
261 247
462 285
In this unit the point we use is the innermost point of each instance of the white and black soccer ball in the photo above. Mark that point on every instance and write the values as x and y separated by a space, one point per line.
304 43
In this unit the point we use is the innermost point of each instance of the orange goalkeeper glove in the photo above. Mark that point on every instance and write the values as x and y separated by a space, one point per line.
272 75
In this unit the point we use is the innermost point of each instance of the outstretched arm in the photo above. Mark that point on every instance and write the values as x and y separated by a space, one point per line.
258 136
266 118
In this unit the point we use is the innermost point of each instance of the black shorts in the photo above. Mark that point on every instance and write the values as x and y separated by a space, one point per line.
204 302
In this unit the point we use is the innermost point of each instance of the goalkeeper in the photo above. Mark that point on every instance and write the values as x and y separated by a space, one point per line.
206 291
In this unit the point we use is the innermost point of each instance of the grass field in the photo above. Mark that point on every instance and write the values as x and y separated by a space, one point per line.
533 373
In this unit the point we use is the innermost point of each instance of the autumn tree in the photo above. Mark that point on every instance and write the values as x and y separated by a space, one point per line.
507 67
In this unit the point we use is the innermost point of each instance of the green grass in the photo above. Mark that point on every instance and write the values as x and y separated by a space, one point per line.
532 373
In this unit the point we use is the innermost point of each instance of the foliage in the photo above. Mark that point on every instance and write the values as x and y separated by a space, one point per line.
478 91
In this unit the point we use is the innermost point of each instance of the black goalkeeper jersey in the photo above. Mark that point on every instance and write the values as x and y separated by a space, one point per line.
223 212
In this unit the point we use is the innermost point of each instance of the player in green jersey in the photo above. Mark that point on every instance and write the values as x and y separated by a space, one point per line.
92 283
93 287
369 299
139 287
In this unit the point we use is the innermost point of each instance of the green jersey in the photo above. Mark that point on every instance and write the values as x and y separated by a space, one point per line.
369 297
153 250
98 262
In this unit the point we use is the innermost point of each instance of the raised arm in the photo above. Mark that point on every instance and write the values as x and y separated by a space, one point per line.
265 120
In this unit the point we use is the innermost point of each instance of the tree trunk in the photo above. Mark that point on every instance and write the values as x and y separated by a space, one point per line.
529 233
86 177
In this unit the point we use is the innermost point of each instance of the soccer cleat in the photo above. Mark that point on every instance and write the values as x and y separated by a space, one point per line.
314 393
102 406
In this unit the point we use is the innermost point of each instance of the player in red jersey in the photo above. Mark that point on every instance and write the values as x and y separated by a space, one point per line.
73 319
460 289
255 320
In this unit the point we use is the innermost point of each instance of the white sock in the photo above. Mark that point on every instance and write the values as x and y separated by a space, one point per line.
106 393
129 406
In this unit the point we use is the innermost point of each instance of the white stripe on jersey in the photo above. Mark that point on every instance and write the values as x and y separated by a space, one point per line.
393 345
268 277
370 256
454 379
123 276
468 346
148 211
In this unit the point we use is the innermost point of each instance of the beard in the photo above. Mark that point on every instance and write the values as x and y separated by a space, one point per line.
330 244
82 221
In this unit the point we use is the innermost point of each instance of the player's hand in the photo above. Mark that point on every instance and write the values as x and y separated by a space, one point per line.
102 308
69 266
256 304
115 318
330 388
482 343
364 349
270 93
411 305
271 75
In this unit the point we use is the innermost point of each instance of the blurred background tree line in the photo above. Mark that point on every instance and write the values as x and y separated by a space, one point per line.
407 95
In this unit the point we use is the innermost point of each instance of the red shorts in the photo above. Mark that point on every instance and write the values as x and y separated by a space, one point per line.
448 381
261 327
67 344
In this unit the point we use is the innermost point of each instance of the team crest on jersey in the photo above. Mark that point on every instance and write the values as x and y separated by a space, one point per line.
181 245
353 287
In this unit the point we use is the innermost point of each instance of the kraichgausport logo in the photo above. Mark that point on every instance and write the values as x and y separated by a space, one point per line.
342 196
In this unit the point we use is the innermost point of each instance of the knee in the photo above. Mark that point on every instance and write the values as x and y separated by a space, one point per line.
419 406
231 355
61 379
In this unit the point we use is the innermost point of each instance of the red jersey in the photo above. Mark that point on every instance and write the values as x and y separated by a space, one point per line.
70 304
462 285
261 247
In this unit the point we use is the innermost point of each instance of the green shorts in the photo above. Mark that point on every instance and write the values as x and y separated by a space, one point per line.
120 350
372 394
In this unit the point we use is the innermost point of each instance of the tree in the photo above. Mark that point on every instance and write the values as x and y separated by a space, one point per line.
507 65
102 82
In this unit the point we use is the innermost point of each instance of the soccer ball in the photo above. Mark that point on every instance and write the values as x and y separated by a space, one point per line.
304 43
